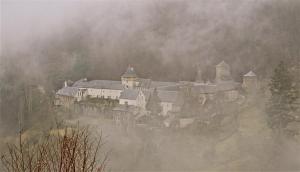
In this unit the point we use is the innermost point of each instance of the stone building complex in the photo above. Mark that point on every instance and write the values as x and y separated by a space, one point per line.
135 92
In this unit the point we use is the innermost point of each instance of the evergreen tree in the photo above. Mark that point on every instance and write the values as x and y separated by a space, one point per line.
153 104
190 105
281 106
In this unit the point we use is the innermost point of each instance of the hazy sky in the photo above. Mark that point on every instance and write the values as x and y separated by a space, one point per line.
23 20
188 31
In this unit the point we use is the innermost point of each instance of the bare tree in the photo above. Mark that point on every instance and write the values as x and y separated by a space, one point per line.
68 151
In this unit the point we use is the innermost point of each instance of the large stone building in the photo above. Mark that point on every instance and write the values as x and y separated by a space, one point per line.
134 91
131 90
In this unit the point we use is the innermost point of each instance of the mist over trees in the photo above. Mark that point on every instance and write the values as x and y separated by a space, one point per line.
282 104
159 38
162 40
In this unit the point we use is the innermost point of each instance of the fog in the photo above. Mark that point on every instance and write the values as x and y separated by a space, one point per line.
171 33
46 42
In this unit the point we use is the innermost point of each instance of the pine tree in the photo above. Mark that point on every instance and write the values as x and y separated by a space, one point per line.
190 106
153 104
283 96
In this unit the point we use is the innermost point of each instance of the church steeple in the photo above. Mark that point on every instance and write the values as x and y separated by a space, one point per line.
129 78
130 72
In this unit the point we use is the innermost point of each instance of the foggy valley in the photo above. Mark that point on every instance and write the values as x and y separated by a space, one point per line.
160 85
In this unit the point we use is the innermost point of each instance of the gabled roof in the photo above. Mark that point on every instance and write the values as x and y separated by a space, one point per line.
68 91
129 94
157 84
167 96
170 88
144 83
204 88
99 84
129 72
213 88
223 64
250 74
227 85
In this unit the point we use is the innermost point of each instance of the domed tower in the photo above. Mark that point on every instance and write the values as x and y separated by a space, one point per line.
250 82
222 72
129 78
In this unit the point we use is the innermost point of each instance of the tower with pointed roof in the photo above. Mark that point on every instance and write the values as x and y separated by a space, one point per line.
250 84
223 72
129 78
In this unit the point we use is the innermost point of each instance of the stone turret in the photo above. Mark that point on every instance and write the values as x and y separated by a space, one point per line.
223 72
129 78
250 84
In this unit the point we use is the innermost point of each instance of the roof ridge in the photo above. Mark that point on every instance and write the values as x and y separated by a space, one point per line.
250 73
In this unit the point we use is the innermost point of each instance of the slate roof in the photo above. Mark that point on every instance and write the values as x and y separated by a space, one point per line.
167 96
129 94
99 84
250 74
170 88
157 84
68 91
149 84
213 88
204 88
129 72
144 83
227 85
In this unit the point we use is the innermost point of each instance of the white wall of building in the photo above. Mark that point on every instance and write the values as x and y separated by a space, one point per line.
81 94
104 93
166 107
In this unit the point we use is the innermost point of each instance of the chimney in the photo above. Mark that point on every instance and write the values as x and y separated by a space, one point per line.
65 84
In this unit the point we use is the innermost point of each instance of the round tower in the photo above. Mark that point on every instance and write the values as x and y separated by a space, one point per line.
250 82
222 72
129 78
